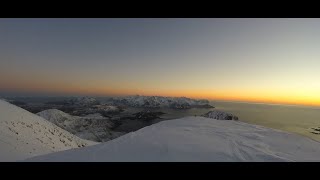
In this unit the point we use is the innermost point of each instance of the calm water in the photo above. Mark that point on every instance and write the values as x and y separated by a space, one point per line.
297 119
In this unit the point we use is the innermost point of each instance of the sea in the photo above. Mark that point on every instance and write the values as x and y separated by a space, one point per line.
290 118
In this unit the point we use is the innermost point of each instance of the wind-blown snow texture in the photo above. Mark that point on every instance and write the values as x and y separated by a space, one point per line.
197 139
23 135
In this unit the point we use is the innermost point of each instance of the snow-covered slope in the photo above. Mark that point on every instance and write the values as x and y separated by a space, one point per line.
60 119
197 139
91 127
23 135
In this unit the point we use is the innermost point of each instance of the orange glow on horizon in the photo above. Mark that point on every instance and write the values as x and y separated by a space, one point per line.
255 97
225 96
247 60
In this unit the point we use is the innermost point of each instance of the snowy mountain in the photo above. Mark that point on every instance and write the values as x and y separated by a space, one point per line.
23 135
92 127
83 101
80 106
219 115
197 139
159 101
2 99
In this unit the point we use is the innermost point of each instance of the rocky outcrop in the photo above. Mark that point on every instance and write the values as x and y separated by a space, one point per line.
315 130
219 115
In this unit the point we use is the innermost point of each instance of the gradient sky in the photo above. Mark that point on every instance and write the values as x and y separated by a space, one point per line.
260 60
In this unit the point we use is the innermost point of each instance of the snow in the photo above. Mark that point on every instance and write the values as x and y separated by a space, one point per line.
92 127
197 139
219 115
23 135
59 118
158 101
107 108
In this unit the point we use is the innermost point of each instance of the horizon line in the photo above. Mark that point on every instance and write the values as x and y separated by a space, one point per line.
209 99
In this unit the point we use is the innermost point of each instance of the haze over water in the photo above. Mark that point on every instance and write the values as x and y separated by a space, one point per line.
296 119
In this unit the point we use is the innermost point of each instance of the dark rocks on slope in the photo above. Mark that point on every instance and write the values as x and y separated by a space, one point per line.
219 115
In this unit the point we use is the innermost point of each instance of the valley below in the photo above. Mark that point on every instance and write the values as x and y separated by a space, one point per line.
101 120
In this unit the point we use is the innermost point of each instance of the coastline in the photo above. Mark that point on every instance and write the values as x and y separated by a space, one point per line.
295 119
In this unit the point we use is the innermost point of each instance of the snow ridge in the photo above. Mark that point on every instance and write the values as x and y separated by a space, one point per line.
23 135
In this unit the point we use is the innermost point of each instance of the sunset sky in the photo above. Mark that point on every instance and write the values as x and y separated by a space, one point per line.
259 60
